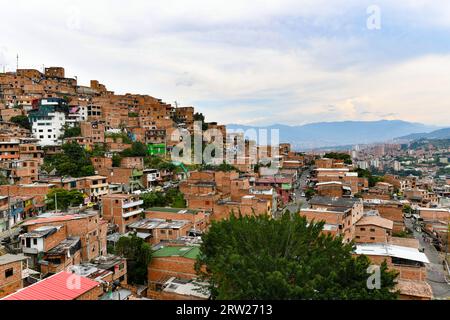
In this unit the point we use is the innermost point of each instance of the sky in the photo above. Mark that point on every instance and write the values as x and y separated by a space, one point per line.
252 62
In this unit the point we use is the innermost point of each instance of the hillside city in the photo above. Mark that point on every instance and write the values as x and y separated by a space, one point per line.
95 205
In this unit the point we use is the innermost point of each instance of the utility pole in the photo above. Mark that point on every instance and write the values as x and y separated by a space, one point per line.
9 212
56 203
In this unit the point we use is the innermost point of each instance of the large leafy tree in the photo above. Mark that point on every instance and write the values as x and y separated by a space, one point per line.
173 198
64 199
74 161
339 156
138 254
138 149
71 132
22 121
364 173
255 257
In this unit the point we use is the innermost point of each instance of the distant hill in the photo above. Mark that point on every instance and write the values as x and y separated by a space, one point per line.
437 134
330 134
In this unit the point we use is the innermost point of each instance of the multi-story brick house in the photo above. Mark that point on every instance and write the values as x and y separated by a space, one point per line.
62 256
101 163
373 229
94 130
156 230
247 206
122 209
170 263
31 151
96 187
55 287
388 209
409 262
199 219
20 171
339 214
41 239
9 150
88 226
11 273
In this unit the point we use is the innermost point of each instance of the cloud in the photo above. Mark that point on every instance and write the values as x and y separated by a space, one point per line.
253 62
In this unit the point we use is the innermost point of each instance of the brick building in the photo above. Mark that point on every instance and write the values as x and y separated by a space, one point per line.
61 286
11 273
122 209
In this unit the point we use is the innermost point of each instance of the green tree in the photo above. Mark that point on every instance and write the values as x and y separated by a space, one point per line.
74 161
138 254
99 150
258 258
172 198
309 193
70 132
3 180
138 149
153 199
407 208
116 160
221 167
64 199
339 156
22 121
373 180
175 198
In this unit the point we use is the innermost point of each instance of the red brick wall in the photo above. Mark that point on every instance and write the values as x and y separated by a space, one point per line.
180 267
12 283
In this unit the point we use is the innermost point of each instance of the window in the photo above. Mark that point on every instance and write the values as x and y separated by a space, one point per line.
163 231
372 238
362 229
9 272
35 242
372 230
358 237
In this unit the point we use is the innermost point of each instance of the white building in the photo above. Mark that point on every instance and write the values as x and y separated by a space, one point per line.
48 121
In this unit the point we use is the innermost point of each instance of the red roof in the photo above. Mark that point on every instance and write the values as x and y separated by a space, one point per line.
61 286
51 219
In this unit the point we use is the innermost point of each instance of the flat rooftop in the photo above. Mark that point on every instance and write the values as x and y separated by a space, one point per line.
150 224
173 210
184 251
334 202
10 258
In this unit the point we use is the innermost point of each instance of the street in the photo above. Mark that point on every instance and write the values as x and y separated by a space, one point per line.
295 205
435 271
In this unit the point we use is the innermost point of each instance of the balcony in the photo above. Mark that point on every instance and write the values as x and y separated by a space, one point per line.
131 204
30 250
132 213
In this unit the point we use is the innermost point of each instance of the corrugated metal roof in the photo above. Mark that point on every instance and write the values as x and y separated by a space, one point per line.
392 251
61 286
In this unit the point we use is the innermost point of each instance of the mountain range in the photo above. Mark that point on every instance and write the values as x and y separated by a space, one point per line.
437 134
333 134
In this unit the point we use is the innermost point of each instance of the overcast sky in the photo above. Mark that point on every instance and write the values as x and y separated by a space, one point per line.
248 62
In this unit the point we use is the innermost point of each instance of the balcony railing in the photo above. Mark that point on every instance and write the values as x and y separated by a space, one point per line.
131 204
132 213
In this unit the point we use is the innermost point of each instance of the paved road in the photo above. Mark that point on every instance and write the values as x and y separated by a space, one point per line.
295 205
435 271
